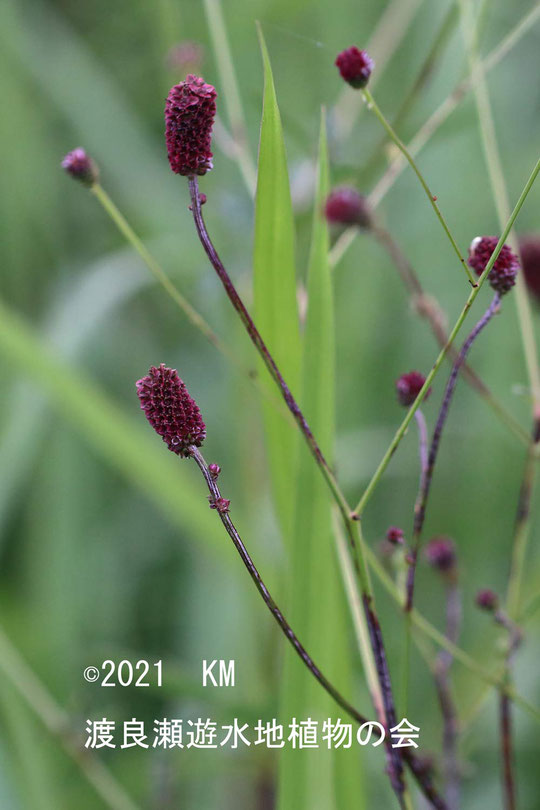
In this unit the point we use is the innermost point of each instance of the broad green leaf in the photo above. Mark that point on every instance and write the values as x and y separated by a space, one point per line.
276 312
317 778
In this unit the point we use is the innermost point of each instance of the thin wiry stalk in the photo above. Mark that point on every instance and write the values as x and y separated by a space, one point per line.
427 307
388 35
392 134
500 195
505 713
368 492
523 308
351 526
522 526
507 754
421 503
441 673
434 54
215 496
195 318
434 122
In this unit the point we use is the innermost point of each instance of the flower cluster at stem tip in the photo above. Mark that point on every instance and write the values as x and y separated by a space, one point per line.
171 411
190 110
502 275
346 206
80 166
408 386
355 66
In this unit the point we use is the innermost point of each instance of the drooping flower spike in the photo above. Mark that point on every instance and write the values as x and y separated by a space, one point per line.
355 66
189 117
171 411
502 276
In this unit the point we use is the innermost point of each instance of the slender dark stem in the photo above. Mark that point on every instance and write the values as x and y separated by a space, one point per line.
446 700
427 307
422 442
509 788
415 766
421 503
522 524
351 527
505 712
215 495
247 320
274 371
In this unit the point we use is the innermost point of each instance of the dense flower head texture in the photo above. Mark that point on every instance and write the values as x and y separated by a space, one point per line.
502 276
171 411
529 248
355 66
80 166
346 206
408 386
189 117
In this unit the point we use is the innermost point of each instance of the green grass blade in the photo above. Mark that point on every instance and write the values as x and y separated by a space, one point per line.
318 610
276 310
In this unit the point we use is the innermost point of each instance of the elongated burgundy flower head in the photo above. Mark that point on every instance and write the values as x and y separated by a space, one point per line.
189 116
502 276
346 206
408 387
80 166
355 66
171 411
529 247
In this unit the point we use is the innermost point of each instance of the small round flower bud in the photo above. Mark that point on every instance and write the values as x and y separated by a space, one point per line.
189 116
441 554
529 248
502 276
395 536
408 386
346 206
487 599
355 66
221 505
171 411
214 470
81 167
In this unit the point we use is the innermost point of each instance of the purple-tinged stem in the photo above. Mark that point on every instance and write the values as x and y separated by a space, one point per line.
507 755
358 560
422 442
446 700
505 712
424 782
421 503
247 320
215 496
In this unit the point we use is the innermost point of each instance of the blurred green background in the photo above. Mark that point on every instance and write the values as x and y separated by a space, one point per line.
108 547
